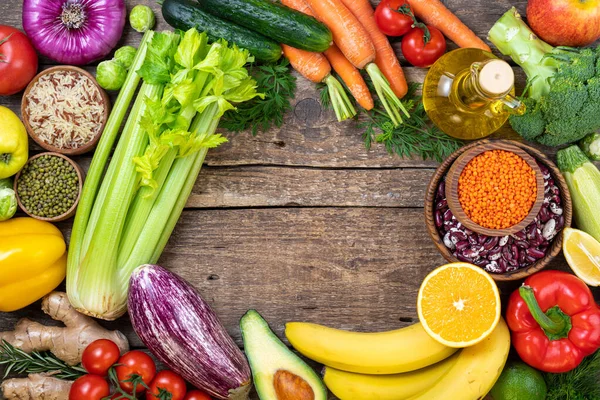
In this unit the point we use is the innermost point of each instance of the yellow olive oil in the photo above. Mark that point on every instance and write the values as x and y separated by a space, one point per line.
469 93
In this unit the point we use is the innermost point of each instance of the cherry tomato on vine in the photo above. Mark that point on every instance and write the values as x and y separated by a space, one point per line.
422 48
197 395
394 17
167 381
18 60
99 356
89 387
135 366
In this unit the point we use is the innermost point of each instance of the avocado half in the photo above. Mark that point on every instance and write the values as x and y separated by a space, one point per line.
278 373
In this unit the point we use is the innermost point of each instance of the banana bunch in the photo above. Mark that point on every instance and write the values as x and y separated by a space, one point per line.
404 364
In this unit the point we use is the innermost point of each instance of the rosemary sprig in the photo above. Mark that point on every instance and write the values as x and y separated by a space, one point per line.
279 85
17 361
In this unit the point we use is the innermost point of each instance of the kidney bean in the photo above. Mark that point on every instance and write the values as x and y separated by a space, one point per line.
448 215
448 242
531 260
544 214
519 235
441 191
560 223
556 209
491 242
535 253
522 257
439 220
457 236
481 239
441 204
522 244
463 258
471 253
503 241
531 231
512 268
460 246
555 199
506 253
547 199
474 239
495 254
549 229
493 267
503 264
515 252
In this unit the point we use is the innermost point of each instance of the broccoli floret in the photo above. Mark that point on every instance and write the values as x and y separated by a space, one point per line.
563 100
531 124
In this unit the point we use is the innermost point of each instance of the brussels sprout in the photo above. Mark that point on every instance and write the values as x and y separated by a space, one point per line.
141 18
125 56
8 199
111 74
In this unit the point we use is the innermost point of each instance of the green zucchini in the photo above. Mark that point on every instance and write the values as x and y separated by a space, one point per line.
274 20
185 14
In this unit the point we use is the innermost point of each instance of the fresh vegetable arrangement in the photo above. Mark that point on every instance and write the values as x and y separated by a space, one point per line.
223 68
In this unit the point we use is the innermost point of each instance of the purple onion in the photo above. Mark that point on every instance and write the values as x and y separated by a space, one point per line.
75 32
181 329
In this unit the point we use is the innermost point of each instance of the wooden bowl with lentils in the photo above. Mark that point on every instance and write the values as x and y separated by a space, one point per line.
513 256
65 110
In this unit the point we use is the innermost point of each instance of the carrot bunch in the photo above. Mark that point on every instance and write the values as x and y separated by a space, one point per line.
360 45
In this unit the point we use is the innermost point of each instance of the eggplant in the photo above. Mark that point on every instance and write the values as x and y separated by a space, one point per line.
183 332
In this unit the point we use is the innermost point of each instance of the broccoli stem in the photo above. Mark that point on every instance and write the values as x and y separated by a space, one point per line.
570 159
514 38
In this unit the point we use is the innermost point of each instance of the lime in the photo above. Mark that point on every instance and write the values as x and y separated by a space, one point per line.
519 381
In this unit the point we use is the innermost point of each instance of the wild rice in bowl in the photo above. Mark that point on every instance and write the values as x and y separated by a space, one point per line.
65 109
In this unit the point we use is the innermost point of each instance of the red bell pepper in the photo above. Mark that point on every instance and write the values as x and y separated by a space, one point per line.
554 320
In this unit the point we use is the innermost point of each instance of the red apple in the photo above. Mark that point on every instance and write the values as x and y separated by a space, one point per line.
565 22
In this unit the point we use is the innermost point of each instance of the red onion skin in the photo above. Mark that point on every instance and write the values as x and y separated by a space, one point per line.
98 35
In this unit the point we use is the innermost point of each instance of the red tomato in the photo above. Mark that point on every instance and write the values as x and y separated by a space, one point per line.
394 17
420 53
167 381
89 387
197 395
18 60
99 356
133 366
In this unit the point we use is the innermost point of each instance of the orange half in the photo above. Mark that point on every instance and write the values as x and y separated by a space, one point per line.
459 304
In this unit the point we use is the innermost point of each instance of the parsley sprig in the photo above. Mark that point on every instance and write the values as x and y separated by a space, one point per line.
279 85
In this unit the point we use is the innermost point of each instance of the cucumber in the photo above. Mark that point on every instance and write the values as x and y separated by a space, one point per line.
274 20
185 14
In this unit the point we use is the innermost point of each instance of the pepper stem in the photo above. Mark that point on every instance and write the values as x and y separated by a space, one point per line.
554 322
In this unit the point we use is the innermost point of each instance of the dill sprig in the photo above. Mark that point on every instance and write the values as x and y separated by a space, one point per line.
17 361
279 85
582 383
415 136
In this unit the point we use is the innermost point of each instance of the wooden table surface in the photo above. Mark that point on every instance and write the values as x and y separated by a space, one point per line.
301 223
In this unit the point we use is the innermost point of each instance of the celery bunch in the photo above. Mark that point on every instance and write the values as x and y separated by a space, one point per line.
126 214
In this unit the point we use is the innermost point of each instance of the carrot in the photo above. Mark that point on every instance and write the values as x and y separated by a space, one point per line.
313 66
385 58
434 13
348 72
355 42
316 68
351 77
348 33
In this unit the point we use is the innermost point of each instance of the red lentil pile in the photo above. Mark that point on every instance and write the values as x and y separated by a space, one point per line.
497 189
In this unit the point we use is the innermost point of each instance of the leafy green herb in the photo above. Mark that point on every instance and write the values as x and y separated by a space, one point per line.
17 361
279 85
416 136
582 383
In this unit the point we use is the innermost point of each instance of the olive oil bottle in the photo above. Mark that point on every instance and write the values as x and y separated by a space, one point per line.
469 93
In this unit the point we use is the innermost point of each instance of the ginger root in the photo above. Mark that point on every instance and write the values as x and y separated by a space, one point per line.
36 387
66 343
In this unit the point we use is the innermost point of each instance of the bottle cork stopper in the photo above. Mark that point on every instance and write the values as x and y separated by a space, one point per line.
496 77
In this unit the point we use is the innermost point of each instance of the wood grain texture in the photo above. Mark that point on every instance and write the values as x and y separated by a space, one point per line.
463 160
515 276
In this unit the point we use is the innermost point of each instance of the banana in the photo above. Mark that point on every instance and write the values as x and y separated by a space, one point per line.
351 386
391 352
475 371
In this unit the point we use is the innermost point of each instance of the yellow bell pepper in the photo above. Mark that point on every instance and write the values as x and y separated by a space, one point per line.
33 261
14 148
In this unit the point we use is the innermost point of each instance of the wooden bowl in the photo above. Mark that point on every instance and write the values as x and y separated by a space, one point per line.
559 181
452 187
91 144
71 210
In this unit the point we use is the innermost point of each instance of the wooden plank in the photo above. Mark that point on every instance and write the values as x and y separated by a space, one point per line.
310 136
478 15
350 268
